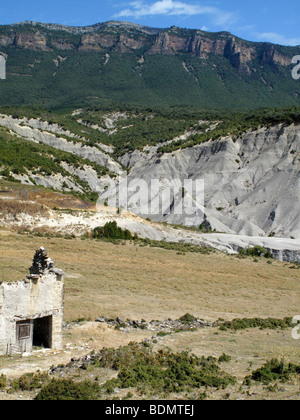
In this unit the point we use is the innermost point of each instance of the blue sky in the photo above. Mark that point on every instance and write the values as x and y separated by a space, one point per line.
257 20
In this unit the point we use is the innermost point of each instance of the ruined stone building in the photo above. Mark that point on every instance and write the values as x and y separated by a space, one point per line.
31 310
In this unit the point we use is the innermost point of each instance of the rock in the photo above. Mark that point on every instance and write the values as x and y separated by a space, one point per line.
167 326
100 320
42 264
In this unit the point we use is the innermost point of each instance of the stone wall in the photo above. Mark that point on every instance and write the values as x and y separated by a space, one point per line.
31 310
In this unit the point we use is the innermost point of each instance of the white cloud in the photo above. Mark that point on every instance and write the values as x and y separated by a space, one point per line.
139 9
276 38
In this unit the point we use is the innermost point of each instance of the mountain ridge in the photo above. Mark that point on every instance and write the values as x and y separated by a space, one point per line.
87 28
126 24
193 36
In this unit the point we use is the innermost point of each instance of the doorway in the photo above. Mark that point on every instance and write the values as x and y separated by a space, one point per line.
42 332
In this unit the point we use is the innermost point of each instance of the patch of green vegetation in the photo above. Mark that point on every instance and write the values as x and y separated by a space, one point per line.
3 381
64 389
136 127
140 367
112 231
22 157
275 370
163 333
224 358
29 381
261 323
256 251
187 319
236 124
295 266
176 246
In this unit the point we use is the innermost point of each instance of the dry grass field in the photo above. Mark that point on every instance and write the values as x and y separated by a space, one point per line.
104 279
135 282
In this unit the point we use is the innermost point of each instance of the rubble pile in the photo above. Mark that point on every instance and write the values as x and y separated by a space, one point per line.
42 264
169 325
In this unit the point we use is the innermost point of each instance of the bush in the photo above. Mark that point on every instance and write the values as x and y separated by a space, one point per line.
61 389
275 370
187 319
5 172
224 358
256 251
29 381
244 323
3 381
111 231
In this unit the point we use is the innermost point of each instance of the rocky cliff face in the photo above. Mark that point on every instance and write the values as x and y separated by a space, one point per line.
34 41
239 55
129 38
251 185
29 40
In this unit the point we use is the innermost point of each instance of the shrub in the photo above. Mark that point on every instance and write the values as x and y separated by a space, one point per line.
275 370
244 323
111 231
224 358
256 251
29 381
5 172
187 319
3 381
61 389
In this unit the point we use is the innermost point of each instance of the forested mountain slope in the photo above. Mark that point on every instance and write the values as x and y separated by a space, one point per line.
117 63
